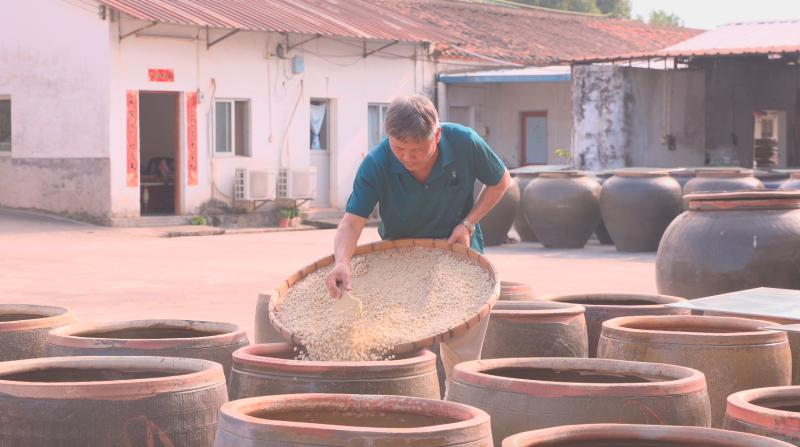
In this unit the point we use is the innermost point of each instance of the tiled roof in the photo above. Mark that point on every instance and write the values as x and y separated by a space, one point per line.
534 36
346 18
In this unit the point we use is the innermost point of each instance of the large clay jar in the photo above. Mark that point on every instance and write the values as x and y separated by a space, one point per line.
773 412
793 183
731 241
515 291
637 207
270 369
521 225
528 394
24 328
264 332
164 338
722 180
110 402
601 232
535 329
348 420
733 353
626 435
497 223
605 306
563 208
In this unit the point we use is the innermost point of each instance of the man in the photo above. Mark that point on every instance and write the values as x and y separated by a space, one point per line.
423 177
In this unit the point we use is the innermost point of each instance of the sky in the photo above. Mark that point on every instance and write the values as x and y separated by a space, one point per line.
709 14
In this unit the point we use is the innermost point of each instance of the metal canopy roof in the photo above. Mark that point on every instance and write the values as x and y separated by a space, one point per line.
737 39
556 73
350 18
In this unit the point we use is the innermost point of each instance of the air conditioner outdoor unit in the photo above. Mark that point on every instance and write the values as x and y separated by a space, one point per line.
255 185
297 183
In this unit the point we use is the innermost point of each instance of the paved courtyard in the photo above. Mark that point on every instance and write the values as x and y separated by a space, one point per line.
119 273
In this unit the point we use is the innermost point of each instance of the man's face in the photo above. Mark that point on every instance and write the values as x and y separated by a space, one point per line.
415 154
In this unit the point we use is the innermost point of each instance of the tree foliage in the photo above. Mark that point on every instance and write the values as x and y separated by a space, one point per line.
613 8
661 17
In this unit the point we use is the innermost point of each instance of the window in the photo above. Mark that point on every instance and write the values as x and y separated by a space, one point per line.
376 115
319 125
232 128
5 125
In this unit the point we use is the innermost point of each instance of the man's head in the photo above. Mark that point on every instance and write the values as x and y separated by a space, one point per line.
412 125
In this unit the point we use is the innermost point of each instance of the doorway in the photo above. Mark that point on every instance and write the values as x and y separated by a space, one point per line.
159 135
320 146
533 138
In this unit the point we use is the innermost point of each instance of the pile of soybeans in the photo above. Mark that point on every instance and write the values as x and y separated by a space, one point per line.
408 294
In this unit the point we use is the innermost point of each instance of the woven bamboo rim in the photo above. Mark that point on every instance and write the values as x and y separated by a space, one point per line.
457 249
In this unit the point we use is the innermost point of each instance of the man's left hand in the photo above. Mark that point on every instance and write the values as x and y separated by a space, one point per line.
460 235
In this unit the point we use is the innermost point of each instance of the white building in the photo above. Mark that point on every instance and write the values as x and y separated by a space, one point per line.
108 101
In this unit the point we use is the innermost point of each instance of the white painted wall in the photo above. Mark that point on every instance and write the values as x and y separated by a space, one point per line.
57 79
498 107
245 66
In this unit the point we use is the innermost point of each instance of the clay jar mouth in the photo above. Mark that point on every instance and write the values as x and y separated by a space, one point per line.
765 406
86 374
617 300
694 330
626 435
563 174
14 317
282 357
755 199
146 334
349 411
535 308
563 377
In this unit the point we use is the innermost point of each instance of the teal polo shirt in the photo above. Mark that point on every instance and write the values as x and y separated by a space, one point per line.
411 209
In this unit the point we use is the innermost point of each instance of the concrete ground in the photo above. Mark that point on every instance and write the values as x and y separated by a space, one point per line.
121 274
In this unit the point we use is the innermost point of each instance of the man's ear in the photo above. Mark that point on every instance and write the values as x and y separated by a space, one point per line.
438 134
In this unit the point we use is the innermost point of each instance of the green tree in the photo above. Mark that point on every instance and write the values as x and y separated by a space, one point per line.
661 17
615 8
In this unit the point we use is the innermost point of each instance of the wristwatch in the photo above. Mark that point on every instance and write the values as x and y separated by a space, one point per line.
470 226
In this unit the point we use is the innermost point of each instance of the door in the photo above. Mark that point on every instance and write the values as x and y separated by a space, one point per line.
159 147
461 115
321 150
534 138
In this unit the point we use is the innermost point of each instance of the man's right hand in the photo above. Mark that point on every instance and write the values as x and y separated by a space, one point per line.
338 277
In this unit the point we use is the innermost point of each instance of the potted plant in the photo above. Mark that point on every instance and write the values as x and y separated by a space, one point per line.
296 219
284 217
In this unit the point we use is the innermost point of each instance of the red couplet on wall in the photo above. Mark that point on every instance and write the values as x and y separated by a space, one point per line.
161 75
191 136
132 141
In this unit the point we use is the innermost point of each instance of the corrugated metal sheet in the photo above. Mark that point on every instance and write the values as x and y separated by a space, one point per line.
347 18
751 38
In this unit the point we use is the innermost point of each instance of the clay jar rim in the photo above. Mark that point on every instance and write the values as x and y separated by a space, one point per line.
641 172
658 300
748 333
743 200
472 420
513 285
258 356
52 316
564 174
69 336
536 309
667 434
678 379
741 407
202 374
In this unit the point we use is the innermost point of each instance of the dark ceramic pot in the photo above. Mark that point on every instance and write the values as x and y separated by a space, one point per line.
731 241
638 206
771 179
722 180
496 224
563 208
793 183
682 175
601 232
524 229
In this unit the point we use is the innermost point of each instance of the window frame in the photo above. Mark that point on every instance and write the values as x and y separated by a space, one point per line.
248 138
383 107
7 152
